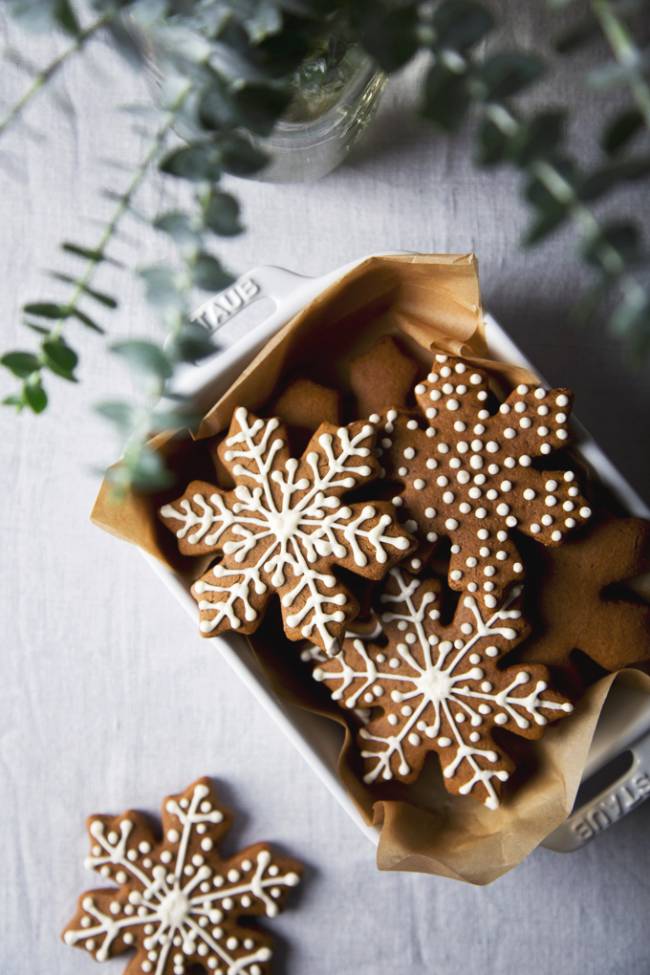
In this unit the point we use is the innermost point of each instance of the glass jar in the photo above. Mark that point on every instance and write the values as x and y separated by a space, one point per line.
330 109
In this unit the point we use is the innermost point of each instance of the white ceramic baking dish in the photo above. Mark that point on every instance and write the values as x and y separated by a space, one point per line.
246 315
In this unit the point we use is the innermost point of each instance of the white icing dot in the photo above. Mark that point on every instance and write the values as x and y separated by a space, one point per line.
451 524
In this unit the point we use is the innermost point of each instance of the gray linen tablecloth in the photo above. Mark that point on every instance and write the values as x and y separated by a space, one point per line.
109 699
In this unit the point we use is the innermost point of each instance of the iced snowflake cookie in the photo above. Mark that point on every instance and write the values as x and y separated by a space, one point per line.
439 688
284 527
176 903
467 473
574 604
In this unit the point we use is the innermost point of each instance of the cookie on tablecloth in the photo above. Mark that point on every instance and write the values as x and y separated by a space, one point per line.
576 600
176 903
467 473
439 688
284 528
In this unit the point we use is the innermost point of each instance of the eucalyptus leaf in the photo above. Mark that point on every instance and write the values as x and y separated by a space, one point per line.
36 327
59 357
576 36
86 320
621 236
389 33
507 73
34 396
66 17
605 178
46 309
21 364
446 97
492 143
14 399
191 344
221 214
216 109
163 289
119 413
144 356
625 73
147 471
544 224
459 24
179 225
197 162
88 253
259 106
209 274
168 419
619 132
539 138
239 155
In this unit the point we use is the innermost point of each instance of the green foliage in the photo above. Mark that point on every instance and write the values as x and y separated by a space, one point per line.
230 69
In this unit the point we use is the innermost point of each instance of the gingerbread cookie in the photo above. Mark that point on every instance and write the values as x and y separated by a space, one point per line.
306 404
468 473
439 688
177 903
383 377
574 607
283 529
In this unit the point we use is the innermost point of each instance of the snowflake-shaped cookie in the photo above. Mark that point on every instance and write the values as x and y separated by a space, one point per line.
284 527
439 689
468 473
178 903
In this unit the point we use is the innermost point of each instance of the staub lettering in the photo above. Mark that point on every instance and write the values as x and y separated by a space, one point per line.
227 303
613 807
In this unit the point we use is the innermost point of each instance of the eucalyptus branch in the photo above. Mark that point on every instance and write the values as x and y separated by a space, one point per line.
626 52
124 204
46 74
237 67
54 353
559 187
